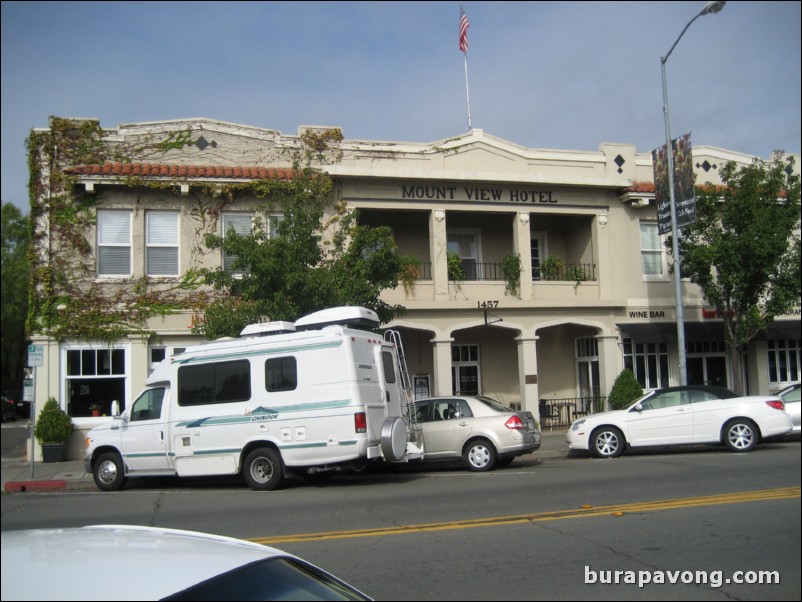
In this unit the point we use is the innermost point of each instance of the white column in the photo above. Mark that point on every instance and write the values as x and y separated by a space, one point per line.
527 373
522 244
442 366
438 249
611 362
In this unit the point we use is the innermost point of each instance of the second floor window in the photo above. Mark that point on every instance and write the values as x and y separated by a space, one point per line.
162 243
651 251
241 223
113 243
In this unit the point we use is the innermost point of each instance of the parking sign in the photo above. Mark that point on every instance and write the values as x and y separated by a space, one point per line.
36 356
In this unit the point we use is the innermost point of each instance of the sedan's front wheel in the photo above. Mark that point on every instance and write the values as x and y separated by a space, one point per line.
607 442
741 435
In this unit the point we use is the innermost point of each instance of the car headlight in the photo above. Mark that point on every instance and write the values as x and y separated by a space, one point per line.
577 424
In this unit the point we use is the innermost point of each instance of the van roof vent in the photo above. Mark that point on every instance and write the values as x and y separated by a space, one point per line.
351 316
264 329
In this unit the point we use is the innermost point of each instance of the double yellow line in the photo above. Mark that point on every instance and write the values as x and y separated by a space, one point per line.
783 493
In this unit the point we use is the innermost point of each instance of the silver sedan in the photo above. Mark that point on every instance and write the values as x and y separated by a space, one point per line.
480 430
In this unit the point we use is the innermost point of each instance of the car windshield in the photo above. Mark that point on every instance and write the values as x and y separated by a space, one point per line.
492 403
272 579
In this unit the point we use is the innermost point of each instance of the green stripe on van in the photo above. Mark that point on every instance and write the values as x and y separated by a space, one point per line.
263 414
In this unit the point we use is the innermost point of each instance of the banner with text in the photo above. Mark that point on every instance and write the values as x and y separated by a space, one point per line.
684 192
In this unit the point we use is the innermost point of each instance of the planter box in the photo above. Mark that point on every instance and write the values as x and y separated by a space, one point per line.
54 452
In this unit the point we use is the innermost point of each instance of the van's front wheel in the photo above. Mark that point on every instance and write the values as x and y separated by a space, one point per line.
109 472
263 469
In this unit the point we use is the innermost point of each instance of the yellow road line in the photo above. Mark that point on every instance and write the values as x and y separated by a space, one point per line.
783 493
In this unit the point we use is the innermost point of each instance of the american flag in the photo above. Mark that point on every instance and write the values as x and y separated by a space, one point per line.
463 30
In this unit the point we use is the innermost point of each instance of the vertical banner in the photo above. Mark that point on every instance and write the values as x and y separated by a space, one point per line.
684 192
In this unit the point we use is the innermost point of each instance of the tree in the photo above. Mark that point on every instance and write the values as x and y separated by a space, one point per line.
15 277
306 264
743 251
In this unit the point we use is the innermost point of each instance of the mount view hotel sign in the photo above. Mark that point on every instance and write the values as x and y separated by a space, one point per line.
477 193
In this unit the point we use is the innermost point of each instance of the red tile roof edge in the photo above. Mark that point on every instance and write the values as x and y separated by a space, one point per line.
164 170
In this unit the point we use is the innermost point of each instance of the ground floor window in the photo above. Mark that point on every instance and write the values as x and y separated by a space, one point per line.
706 363
95 377
157 354
465 375
649 363
421 386
587 363
783 360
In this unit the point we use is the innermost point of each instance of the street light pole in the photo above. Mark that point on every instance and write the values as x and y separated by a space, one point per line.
709 8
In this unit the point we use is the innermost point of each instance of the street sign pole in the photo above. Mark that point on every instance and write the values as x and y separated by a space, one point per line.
36 359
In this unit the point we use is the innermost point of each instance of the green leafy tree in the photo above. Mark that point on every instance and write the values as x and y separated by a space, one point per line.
743 250
15 277
308 263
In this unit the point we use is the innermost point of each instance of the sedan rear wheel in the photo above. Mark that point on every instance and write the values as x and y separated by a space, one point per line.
480 455
741 435
607 442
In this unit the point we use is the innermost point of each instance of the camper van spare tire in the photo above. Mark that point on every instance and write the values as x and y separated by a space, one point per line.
263 469
394 438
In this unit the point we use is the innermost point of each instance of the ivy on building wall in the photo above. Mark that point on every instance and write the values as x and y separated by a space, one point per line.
65 297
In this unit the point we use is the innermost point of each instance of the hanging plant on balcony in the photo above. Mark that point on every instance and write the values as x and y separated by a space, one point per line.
456 271
511 271
409 272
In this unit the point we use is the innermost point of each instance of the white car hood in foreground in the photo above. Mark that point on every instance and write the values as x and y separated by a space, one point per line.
115 562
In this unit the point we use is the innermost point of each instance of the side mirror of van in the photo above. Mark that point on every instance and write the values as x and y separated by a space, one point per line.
115 408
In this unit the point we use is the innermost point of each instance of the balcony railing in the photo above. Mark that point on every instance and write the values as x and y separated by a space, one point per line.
569 272
572 272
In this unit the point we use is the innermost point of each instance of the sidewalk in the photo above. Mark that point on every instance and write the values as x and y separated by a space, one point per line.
70 475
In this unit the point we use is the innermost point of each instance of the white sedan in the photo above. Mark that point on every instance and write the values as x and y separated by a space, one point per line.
687 415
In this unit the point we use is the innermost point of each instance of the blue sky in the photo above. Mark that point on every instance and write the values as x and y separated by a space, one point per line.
562 75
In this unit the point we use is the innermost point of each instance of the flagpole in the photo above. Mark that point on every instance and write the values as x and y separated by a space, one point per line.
463 46
468 91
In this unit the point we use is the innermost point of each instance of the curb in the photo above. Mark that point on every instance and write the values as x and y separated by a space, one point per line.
35 486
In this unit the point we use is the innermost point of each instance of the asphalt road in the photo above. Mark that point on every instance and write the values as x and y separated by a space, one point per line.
541 529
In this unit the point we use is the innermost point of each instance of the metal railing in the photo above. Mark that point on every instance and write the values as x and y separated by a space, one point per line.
569 272
572 272
563 411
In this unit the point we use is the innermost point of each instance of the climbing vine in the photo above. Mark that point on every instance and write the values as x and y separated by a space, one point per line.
65 297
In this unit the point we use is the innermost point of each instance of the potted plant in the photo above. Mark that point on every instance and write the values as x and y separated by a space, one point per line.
552 268
52 430
95 408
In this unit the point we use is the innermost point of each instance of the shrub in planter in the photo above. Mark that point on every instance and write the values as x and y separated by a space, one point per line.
626 389
53 425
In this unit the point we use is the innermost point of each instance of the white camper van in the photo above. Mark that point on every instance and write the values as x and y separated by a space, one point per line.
309 397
